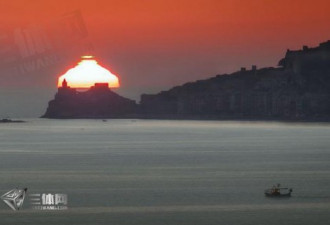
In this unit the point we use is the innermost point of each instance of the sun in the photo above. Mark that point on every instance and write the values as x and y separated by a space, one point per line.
87 73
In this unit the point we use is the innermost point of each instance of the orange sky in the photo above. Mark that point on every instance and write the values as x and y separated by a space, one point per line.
155 44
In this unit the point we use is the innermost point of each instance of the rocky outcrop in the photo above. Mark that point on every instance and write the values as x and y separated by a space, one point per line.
97 102
11 121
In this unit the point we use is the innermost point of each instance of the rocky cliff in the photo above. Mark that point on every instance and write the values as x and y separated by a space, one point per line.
97 102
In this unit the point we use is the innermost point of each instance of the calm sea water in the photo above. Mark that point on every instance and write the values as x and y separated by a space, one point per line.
167 172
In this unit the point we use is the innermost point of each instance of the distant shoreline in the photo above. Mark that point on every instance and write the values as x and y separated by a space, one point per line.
202 118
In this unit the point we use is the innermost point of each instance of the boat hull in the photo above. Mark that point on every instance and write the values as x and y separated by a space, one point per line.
278 195
277 191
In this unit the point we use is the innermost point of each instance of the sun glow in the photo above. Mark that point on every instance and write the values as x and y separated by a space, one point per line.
87 73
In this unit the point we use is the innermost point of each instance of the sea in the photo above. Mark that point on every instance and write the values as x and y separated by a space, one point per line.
164 172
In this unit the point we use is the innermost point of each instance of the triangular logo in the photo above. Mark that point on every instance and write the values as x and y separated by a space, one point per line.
14 198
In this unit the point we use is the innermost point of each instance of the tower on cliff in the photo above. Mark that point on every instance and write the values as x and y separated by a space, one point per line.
64 84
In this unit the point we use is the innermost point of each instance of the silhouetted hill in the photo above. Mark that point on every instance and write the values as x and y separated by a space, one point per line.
299 89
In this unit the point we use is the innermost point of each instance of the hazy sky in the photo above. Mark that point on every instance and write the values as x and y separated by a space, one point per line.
151 45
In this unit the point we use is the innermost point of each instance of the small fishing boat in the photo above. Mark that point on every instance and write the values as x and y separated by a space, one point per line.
278 191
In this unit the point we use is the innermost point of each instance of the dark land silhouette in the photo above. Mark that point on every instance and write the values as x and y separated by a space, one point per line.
298 89
97 102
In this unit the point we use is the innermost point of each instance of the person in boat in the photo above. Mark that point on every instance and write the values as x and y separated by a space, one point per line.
276 190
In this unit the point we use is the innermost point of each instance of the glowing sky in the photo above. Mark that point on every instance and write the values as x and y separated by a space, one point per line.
156 44
87 73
